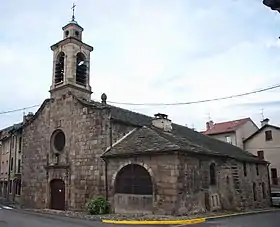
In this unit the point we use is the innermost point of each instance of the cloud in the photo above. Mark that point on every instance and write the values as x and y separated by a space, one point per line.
148 52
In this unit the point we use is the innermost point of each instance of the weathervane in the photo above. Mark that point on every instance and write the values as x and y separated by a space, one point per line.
73 8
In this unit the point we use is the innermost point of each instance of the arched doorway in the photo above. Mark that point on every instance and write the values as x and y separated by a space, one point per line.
133 190
57 187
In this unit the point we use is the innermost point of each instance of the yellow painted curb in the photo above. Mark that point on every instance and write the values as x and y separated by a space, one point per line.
159 222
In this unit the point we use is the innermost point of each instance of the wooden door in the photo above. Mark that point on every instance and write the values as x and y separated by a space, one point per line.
57 187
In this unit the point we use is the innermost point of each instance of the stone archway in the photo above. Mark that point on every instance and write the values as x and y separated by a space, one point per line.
133 190
57 189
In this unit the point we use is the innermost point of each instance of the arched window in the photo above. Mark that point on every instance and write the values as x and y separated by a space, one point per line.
59 68
134 179
81 70
212 174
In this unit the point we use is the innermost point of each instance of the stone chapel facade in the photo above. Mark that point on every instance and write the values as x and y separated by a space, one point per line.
75 148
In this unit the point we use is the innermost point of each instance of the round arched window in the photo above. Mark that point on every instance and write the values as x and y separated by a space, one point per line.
58 141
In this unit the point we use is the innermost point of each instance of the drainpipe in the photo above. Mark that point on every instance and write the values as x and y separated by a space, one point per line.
106 161
9 173
269 186
15 168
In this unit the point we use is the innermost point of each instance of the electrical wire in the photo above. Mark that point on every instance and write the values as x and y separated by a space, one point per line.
168 104
199 101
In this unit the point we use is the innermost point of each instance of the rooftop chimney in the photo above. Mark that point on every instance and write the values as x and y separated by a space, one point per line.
27 117
264 122
209 124
161 121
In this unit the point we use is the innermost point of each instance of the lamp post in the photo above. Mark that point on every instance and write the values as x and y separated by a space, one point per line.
272 4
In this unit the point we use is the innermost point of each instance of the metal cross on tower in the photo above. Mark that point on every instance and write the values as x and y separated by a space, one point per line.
73 15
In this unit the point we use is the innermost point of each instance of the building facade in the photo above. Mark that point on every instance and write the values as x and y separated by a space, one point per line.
10 169
265 143
233 132
75 148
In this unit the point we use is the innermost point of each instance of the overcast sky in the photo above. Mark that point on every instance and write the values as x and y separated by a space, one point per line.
159 51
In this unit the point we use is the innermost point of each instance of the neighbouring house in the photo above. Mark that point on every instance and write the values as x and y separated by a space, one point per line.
265 143
10 169
233 132
74 148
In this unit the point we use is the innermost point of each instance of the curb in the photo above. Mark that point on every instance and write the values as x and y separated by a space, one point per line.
240 213
185 221
159 222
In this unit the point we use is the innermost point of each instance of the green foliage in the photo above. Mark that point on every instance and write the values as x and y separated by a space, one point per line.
98 205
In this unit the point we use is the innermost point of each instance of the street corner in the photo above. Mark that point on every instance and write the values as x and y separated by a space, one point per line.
156 222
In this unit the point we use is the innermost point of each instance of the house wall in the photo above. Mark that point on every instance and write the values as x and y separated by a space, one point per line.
271 148
10 157
237 137
244 131
223 136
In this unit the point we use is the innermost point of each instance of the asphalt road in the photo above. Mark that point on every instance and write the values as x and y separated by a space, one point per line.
19 218
255 220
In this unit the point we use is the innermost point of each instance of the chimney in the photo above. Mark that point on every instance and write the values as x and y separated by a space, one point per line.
209 124
27 117
264 122
162 122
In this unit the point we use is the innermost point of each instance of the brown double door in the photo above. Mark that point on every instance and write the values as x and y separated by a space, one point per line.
57 187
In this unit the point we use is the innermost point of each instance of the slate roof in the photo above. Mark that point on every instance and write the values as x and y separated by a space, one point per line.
147 139
228 126
5 131
150 139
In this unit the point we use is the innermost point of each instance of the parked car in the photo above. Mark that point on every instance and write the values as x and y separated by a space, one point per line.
275 196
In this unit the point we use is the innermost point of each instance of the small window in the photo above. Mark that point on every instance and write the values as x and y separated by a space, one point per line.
18 167
254 191
229 139
12 164
274 177
263 190
212 174
19 144
257 169
66 33
245 169
261 155
77 33
268 135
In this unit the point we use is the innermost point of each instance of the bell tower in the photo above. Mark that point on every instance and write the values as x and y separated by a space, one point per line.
71 63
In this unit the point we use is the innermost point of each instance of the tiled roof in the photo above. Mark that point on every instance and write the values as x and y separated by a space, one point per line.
223 127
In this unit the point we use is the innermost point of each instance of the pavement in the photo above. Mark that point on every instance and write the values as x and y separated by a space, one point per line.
270 219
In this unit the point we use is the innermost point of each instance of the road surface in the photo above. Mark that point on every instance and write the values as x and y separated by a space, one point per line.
18 218
271 219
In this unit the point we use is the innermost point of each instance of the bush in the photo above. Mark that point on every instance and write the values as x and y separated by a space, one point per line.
98 205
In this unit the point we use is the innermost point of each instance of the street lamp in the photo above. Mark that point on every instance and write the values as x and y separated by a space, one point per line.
272 4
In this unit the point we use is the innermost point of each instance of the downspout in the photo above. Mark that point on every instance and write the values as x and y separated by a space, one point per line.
106 161
15 167
269 186
9 171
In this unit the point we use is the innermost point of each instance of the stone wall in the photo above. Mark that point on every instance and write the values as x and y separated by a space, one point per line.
86 131
182 185
163 170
